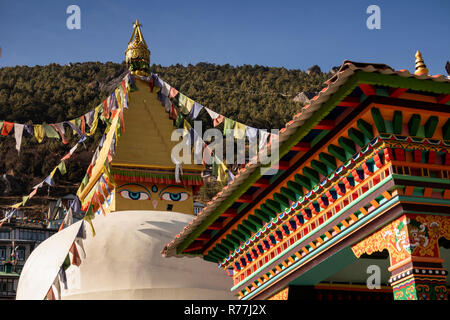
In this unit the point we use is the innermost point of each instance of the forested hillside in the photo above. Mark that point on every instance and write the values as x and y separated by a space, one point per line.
258 96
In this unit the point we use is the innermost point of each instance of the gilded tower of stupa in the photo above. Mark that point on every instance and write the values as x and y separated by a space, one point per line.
137 54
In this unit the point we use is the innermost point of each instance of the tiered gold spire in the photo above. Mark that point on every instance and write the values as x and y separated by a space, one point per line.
137 54
421 68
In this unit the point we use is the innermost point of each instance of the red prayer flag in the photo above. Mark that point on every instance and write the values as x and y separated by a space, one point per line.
83 124
76 260
50 294
7 127
122 122
63 138
218 120
173 92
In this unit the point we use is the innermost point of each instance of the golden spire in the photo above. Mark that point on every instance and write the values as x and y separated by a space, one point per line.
137 54
421 68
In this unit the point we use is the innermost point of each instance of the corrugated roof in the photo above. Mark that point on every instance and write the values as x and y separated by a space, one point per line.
347 69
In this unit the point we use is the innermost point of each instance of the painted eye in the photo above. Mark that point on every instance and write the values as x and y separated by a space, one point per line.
134 195
180 196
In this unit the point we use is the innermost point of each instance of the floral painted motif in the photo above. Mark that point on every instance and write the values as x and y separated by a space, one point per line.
408 235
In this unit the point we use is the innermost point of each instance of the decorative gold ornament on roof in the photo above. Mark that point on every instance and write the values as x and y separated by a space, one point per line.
421 68
137 54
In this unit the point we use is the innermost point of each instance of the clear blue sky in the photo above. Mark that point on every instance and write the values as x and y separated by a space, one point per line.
294 34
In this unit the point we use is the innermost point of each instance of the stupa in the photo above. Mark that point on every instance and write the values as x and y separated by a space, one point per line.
150 203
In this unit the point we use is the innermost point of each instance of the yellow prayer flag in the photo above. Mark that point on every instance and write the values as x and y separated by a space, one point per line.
222 172
39 132
89 220
239 130
16 205
94 123
53 172
187 127
118 97
189 104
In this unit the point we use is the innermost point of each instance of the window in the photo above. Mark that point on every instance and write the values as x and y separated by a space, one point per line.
2 253
8 287
4 234
20 253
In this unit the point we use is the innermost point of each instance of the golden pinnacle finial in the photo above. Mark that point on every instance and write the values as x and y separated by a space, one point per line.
421 68
137 54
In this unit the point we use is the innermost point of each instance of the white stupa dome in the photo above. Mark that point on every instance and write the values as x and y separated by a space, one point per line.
123 261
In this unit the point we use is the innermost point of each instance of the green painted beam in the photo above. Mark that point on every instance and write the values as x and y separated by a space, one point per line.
227 244
397 122
304 181
366 128
357 136
275 206
282 200
256 221
245 231
319 167
319 137
262 215
235 241
329 160
269 211
211 259
430 126
237 234
414 124
348 145
313 175
221 251
446 130
291 195
250 226
378 120
338 152
294 186
214 255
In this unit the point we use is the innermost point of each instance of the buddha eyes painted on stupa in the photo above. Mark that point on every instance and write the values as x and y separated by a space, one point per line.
136 191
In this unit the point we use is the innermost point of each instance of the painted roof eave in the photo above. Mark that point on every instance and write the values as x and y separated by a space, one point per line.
339 86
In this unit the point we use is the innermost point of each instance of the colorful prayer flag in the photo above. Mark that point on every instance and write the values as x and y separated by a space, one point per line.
7 127
18 132
195 110
39 133
239 130
228 125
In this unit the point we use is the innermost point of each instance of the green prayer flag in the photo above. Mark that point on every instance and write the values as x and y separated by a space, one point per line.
24 199
62 167
228 125
85 180
50 132
179 122
215 167
182 101
88 217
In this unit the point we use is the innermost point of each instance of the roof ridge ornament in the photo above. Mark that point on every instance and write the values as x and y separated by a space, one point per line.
137 54
421 68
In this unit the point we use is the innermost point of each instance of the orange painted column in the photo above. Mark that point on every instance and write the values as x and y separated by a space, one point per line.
413 244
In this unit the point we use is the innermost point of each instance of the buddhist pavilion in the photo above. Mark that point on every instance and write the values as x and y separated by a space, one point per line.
360 206
145 198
